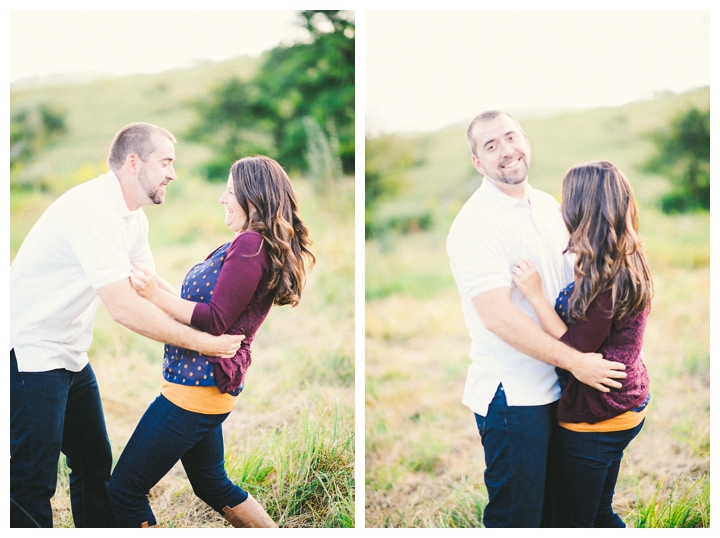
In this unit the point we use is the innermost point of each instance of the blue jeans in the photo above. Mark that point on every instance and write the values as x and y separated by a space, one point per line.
165 434
53 412
516 440
586 468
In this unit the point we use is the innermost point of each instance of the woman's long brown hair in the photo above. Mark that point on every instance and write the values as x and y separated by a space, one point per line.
599 210
262 184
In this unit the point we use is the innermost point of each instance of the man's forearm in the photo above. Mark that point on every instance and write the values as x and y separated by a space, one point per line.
142 317
517 330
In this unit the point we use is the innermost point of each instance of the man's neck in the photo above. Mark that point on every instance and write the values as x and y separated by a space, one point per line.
514 191
127 187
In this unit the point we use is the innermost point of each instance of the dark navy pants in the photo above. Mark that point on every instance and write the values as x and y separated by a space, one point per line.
586 471
53 412
516 440
165 435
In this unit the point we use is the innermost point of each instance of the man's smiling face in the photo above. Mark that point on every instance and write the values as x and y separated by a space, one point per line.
502 150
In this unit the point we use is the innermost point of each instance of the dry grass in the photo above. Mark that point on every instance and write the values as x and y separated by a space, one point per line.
424 458
296 414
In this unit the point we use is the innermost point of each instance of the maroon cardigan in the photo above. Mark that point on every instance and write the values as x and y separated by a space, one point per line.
239 305
617 340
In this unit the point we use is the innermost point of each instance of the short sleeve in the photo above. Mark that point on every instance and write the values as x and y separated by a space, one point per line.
140 248
479 260
99 243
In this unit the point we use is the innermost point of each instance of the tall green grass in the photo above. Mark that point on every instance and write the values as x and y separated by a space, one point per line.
684 504
304 473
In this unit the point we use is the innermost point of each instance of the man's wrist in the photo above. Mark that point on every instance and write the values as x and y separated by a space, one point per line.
188 337
569 360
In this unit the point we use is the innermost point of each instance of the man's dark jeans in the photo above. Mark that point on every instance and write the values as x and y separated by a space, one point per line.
516 440
586 470
52 412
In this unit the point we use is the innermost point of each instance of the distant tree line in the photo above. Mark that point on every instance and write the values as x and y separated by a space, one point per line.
299 108
388 159
682 154
32 130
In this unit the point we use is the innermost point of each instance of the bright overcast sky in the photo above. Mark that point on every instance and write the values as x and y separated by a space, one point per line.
423 70
127 42
428 69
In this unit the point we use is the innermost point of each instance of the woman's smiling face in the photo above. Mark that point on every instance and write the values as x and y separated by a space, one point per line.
235 217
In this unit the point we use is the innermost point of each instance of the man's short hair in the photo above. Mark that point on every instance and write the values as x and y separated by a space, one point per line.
485 116
134 138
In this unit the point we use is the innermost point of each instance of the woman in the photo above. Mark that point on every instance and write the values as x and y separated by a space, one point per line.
230 292
604 310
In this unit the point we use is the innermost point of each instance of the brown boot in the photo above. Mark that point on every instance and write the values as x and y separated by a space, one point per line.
146 526
248 513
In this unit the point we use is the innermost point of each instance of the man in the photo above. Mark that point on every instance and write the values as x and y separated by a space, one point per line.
512 385
81 251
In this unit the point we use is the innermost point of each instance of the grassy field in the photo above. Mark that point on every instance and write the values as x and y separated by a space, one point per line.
291 439
424 460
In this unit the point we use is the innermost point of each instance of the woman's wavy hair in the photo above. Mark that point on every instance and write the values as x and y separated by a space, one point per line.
261 184
599 210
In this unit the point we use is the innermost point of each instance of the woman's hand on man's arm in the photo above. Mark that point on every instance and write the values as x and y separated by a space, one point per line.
527 278
144 282
146 285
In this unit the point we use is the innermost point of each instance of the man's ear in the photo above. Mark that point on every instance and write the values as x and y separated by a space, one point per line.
478 165
131 163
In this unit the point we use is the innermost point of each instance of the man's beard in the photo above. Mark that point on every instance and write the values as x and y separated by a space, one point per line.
152 192
513 179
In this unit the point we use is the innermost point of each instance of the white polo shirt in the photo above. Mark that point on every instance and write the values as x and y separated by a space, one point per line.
86 239
489 235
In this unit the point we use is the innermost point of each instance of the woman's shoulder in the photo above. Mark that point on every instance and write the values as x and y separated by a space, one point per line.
248 242
602 305
249 246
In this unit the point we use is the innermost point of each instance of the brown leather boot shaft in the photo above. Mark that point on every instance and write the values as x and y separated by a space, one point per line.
248 514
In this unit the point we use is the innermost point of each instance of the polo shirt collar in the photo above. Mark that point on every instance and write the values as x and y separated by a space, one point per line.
503 199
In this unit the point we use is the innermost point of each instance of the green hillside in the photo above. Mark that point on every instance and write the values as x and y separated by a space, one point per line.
443 176
95 111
